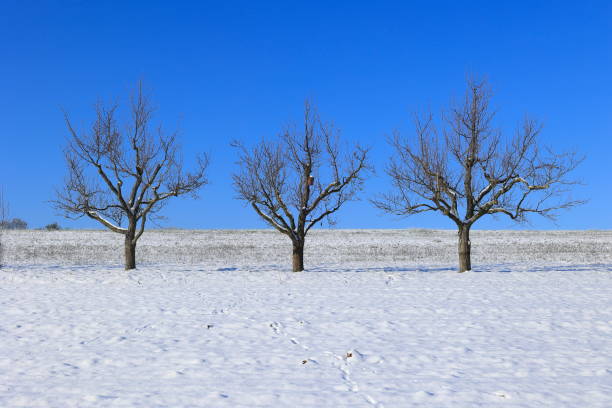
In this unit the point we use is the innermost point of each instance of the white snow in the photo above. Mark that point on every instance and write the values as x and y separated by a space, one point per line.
379 319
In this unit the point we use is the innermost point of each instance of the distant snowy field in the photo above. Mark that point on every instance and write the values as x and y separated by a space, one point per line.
379 319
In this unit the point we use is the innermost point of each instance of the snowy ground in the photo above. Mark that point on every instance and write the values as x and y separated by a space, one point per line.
214 318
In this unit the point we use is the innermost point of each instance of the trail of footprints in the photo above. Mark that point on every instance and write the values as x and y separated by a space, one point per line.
337 361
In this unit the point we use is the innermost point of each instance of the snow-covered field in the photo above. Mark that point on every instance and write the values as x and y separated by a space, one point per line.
215 318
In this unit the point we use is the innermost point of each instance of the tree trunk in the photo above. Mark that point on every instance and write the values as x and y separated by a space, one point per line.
298 256
465 261
130 252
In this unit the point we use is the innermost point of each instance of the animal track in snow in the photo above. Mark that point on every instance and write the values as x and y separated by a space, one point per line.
339 362
343 364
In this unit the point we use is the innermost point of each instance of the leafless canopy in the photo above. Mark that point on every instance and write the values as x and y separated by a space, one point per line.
466 169
302 178
117 175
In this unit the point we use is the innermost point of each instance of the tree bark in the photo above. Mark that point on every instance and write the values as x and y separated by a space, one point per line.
465 260
130 251
298 256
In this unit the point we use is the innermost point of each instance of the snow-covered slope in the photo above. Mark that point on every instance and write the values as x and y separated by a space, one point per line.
267 247
379 319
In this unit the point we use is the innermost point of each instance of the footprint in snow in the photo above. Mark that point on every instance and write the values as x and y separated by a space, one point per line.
276 327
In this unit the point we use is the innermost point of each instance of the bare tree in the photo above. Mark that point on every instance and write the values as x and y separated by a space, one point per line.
124 175
465 169
301 179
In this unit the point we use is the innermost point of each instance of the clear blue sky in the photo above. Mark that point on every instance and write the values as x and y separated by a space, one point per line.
241 70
